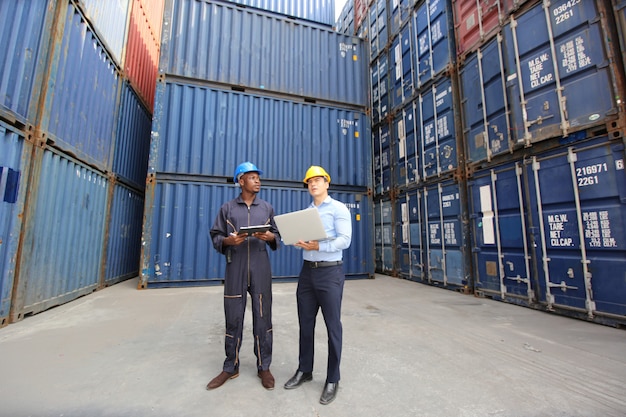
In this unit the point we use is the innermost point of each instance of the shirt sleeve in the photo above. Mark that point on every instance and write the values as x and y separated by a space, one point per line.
343 228
219 230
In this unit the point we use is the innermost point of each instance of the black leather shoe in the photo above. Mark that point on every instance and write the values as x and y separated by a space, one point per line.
329 393
299 378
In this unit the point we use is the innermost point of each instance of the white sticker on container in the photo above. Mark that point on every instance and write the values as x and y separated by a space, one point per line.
487 210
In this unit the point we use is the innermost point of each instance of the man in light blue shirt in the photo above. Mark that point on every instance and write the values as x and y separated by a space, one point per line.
321 284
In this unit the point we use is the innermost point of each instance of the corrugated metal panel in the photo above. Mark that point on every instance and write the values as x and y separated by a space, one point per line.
552 68
438 147
321 11
447 252
132 144
379 73
578 202
410 235
378 26
406 136
124 235
109 19
382 159
81 101
434 40
476 21
400 12
401 68
484 103
383 235
143 48
177 248
15 156
246 47
201 130
25 27
345 22
63 234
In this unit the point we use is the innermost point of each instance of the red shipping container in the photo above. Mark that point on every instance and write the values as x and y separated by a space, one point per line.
360 13
475 22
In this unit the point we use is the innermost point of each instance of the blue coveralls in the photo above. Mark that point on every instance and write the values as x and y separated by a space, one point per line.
247 271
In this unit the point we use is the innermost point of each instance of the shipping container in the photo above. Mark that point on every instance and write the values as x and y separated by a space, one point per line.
123 248
577 197
109 20
259 51
24 38
132 143
446 248
382 159
549 230
80 109
177 248
400 13
63 233
406 136
143 47
484 103
552 68
345 22
434 40
410 236
15 154
401 68
379 73
477 21
619 9
383 235
499 219
361 13
205 131
438 114
320 11
378 25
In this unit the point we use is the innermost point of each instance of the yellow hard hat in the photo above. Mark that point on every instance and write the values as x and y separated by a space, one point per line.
315 171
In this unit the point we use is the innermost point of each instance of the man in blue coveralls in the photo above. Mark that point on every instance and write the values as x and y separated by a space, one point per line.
247 271
321 284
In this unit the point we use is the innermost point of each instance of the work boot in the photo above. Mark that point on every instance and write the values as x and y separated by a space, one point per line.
219 380
267 379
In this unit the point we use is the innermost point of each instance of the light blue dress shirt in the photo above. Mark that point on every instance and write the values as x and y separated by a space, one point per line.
338 226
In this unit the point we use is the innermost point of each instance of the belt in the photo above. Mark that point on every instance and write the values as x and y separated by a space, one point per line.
322 264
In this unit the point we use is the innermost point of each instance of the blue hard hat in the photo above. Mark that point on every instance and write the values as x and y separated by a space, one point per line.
243 168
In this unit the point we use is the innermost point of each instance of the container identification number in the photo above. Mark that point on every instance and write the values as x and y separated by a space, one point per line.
586 175
564 12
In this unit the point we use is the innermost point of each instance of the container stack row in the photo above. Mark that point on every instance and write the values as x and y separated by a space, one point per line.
75 111
238 82
498 145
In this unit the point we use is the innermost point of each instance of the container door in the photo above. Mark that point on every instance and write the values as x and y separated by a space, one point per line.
579 199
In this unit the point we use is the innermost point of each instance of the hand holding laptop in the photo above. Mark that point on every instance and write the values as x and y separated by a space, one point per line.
302 225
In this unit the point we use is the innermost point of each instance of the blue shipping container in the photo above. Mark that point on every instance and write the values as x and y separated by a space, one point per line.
321 11
124 235
379 73
132 143
23 47
401 68
400 14
81 101
382 159
552 68
226 44
15 154
406 136
206 131
485 108
383 235
177 249
410 236
378 35
434 40
64 234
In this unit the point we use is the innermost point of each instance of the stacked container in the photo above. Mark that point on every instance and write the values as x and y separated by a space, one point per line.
249 84
74 146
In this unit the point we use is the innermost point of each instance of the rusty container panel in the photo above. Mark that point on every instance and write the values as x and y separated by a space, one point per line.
476 21
80 111
143 48
64 229
23 46
109 20
360 14
124 235
15 154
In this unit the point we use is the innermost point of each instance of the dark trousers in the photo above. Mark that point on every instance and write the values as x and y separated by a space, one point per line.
320 288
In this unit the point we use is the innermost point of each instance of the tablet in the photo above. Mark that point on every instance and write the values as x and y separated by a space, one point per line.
300 225
248 230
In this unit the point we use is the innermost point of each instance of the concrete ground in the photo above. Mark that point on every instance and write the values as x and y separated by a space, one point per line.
409 350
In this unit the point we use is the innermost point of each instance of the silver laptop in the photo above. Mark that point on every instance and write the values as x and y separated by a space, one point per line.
300 225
